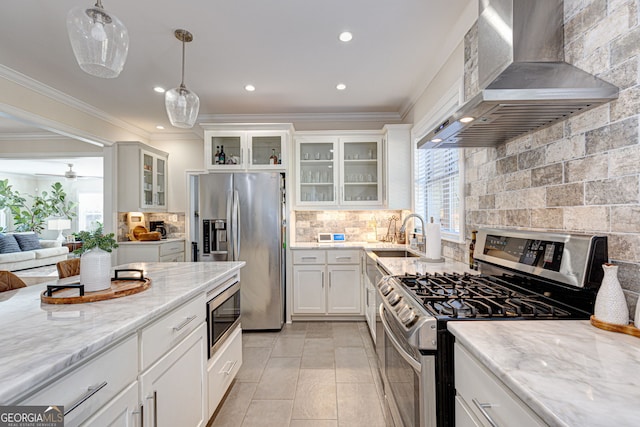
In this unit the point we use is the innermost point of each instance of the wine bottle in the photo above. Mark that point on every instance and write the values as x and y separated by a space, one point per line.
472 246
222 158
273 159
279 159
216 157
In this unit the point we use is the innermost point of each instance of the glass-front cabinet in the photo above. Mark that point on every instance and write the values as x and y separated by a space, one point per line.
154 182
229 149
316 171
339 170
361 170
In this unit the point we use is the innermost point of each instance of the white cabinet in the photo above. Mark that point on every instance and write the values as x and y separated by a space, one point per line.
88 387
327 282
246 147
142 178
397 170
123 410
482 400
153 251
223 367
172 391
341 170
369 300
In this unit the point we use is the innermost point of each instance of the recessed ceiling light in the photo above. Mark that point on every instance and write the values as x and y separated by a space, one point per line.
160 127
341 86
159 89
249 88
467 119
345 36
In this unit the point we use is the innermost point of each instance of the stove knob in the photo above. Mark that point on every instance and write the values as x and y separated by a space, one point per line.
402 307
394 298
408 317
385 288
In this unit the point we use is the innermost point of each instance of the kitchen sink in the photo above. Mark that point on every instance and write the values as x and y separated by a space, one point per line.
394 253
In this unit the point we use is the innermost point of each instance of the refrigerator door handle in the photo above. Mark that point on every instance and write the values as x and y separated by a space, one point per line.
236 216
230 225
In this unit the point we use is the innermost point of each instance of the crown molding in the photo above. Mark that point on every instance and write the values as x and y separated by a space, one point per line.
300 117
40 136
59 96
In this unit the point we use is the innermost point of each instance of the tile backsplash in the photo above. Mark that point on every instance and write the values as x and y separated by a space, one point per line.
173 221
358 226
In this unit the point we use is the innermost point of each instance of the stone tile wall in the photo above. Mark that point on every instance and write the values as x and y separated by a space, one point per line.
358 226
581 175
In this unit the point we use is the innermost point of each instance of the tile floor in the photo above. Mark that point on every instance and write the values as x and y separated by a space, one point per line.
310 374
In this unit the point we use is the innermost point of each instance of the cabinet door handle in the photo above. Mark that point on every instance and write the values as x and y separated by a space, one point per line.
322 278
141 412
343 257
482 407
250 159
329 279
90 392
309 257
228 371
154 397
185 323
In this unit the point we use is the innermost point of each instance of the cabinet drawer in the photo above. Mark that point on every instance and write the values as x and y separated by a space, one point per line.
223 368
171 248
165 333
477 386
309 257
339 256
93 384
177 257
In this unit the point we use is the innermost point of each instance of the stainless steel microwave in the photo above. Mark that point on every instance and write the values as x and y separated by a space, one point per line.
223 314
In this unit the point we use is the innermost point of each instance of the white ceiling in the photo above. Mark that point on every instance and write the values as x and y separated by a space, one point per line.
288 49
83 166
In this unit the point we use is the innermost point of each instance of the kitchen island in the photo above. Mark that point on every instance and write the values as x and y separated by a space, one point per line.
41 342
568 372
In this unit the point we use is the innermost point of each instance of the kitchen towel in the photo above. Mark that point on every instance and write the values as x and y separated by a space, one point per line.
434 241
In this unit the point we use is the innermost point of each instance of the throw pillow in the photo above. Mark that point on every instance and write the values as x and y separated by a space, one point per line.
28 241
8 244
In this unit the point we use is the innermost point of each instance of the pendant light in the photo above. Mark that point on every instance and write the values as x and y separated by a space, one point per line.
182 104
99 40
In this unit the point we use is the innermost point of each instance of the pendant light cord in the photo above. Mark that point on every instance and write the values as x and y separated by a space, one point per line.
182 82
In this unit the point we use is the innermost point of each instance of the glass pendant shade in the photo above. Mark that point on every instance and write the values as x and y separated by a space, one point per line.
99 40
182 107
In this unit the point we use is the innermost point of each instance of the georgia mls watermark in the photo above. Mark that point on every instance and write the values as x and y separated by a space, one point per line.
31 416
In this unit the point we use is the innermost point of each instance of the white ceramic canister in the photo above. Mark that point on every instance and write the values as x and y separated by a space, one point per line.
95 270
611 304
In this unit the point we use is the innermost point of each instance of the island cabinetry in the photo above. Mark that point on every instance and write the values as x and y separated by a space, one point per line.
154 251
88 387
222 369
327 282
482 400
246 146
142 178
123 410
172 390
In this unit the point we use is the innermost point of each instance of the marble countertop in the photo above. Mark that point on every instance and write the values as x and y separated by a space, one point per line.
149 242
568 372
41 340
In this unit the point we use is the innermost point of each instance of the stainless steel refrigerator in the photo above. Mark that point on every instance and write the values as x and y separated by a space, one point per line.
240 217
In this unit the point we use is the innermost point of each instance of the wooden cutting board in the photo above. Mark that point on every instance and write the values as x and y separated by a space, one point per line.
120 287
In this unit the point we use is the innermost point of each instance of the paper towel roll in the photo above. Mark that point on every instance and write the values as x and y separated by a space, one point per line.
434 241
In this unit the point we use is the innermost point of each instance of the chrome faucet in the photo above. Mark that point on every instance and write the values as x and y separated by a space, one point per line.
424 236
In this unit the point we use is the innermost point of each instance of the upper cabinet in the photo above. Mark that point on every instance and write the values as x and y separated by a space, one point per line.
230 147
354 169
142 178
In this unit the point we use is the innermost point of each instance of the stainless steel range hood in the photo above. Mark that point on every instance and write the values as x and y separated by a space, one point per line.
525 83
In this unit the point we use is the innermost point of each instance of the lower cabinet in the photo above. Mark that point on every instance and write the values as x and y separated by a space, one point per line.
153 251
223 367
327 282
173 390
482 400
123 410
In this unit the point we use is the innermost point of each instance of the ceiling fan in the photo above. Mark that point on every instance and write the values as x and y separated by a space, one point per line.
70 175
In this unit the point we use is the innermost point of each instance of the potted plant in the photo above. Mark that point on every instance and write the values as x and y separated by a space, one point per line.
95 258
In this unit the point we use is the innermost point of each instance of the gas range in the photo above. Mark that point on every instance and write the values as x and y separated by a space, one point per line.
523 276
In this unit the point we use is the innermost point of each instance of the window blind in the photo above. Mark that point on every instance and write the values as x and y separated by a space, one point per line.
438 188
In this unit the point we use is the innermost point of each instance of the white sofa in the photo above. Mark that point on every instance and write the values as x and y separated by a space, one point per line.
51 252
